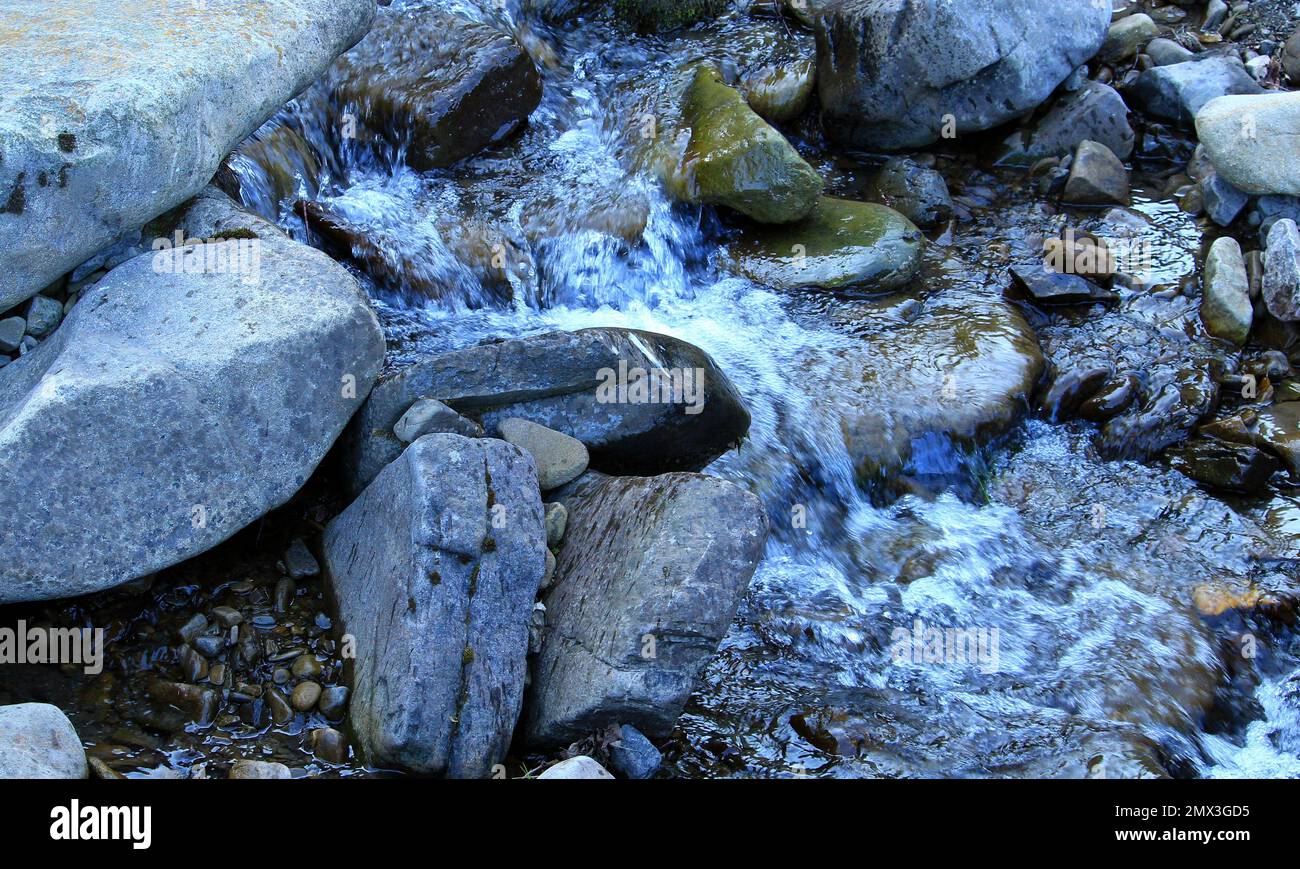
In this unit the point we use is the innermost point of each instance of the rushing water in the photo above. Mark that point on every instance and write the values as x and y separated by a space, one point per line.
1075 574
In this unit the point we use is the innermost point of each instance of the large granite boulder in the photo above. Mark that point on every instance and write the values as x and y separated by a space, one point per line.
1252 141
647 583
114 111
437 83
38 741
435 568
178 402
893 74
562 380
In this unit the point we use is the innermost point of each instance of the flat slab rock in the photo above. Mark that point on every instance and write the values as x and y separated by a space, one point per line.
435 568
171 409
114 111
647 583
553 380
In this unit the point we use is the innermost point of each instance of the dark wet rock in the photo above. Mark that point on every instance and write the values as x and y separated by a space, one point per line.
112 117
558 458
1281 287
1223 202
633 756
1275 429
661 16
1268 210
437 83
437 589
1225 466
738 160
1176 377
1097 177
198 704
192 627
429 416
299 562
890 75
580 767
842 245
648 580
329 745
554 380
1095 111
304 696
780 92
1048 287
171 409
334 702
259 769
38 741
277 705
283 595
306 667
1225 301
1126 38
1251 140
1178 91
917 192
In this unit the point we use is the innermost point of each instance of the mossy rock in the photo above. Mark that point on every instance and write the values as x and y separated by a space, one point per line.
840 245
739 160
661 16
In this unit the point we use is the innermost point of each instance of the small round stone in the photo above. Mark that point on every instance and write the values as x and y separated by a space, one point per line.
305 696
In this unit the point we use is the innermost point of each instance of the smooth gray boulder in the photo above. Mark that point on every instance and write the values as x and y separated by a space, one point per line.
1178 91
1254 141
580 767
559 458
435 568
179 401
647 583
893 74
114 112
1225 304
1095 111
38 741
567 381
1281 286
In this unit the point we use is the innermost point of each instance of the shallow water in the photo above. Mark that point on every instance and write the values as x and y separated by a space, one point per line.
1074 578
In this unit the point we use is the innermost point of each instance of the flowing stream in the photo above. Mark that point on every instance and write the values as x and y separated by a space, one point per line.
1071 575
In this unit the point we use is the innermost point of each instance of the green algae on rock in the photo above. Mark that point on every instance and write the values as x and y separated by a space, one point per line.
661 16
840 245
738 160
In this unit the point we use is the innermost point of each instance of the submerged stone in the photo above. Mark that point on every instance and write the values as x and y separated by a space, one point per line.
841 245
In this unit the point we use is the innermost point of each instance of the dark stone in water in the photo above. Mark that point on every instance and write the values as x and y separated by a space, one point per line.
1225 466
553 380
437 84
1053 288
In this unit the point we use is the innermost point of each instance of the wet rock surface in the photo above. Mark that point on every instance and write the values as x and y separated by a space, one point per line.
656 563
435 568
